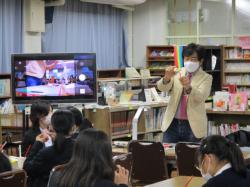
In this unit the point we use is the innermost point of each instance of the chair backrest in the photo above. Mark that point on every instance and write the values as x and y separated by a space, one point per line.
241 137
124 160
148 162
16 178
247 162
186 158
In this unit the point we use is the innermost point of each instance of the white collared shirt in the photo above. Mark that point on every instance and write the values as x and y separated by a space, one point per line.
49 141
225 167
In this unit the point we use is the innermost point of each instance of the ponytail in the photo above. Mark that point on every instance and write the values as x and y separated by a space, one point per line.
236 159
59 142
62 122
224 150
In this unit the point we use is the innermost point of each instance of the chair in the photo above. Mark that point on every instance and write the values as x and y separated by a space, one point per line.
148 163
186 159
16 178
124 160
247 162
241 137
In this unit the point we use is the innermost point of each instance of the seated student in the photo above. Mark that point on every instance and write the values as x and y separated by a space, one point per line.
91 164
41 160
221 163
81 123
40 117
4 163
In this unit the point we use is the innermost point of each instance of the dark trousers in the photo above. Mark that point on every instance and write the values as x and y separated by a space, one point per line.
179 131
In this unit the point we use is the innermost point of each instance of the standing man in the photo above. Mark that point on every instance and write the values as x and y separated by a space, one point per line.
185 118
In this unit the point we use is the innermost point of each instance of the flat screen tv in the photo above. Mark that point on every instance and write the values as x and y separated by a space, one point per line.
58 78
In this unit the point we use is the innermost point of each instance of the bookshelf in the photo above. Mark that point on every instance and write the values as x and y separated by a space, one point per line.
159 57
116 121
157 63
236 67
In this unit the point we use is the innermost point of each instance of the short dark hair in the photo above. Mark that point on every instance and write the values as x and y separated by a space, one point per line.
80 121
223 149
192 48
38 109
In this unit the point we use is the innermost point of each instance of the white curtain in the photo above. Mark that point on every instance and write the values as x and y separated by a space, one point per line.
10 32
87 27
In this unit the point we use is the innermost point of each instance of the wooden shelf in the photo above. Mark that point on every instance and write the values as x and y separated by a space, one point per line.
237 59
161 60
237 72
125 79
127 107
243 85
212 71
5 97
229 112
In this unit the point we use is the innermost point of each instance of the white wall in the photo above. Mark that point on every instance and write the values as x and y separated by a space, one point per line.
149 28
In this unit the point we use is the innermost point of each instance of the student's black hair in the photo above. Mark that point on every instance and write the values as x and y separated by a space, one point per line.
81 122
38 109
91 160
62 122
224 150
4 163
192 48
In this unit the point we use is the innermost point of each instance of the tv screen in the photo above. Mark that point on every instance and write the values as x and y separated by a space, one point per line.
63 78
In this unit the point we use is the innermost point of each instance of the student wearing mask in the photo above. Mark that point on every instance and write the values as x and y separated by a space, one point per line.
221 163
91 164
185 118
41 160
40 117
81 123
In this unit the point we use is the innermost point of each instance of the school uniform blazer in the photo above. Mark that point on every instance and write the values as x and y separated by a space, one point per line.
229 178
41 160
29 139
196 112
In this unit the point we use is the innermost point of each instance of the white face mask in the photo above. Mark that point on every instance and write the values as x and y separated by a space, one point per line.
191 66
207 175
47 120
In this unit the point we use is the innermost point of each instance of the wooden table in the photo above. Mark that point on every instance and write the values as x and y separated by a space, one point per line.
180 181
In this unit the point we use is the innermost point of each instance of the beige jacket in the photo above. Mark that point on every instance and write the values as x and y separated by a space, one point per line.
201 85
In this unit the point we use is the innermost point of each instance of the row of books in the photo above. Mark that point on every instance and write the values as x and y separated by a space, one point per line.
159 65
6 107
11 119
121 122
154 118
5 87
153 137
237 53
238 79
161 53
237 67
223 101
226 129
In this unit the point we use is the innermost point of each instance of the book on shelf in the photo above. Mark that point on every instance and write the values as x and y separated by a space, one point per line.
5 87
234 53
226 129
163 53
238 101
154 118
220 101
121 122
